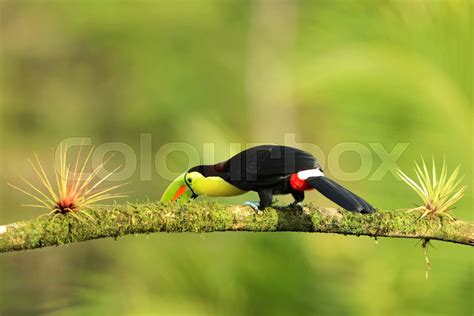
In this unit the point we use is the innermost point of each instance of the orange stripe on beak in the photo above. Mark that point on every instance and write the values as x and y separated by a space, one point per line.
179 192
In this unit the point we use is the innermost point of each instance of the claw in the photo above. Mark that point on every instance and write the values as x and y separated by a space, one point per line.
297 205
255 206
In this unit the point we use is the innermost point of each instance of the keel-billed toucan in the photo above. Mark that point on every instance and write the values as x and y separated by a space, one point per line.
267 170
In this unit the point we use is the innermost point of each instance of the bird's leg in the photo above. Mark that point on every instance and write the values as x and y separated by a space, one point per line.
299 197
266 199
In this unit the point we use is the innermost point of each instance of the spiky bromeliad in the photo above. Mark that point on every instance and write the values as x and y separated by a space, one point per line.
75 189
268 170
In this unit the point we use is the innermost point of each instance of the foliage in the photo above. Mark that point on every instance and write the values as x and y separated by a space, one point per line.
438 193
75 189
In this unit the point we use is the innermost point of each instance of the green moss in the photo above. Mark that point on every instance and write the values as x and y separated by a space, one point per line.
200 217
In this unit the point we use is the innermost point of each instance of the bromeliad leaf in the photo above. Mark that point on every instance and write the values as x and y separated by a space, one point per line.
438 193
74 189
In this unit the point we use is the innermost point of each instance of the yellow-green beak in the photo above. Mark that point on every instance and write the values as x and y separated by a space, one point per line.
178 191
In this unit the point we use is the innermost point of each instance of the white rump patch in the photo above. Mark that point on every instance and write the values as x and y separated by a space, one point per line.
312 173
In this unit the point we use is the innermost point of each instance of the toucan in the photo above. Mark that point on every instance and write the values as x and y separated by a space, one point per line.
268 170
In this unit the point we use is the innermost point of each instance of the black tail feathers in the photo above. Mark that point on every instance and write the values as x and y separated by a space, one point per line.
340 195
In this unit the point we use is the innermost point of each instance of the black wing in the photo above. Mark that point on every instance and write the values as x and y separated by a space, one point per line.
266 165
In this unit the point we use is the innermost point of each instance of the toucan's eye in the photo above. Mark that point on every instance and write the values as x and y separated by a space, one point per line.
190 180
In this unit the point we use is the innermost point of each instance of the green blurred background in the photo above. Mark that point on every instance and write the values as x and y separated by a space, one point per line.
238 72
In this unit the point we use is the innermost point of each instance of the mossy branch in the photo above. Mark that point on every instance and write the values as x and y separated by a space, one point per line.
200 217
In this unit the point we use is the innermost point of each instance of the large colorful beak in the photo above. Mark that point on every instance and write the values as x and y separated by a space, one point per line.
178 191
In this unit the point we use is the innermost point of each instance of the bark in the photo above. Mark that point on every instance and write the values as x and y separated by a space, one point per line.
204 217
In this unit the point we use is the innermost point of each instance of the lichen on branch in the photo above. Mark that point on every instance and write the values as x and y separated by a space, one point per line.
201 217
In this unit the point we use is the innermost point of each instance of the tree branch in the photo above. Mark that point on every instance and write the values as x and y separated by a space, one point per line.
118 220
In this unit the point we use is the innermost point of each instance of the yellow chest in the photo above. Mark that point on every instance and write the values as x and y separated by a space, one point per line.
215 186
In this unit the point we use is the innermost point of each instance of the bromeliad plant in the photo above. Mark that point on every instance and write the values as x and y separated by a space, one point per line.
439 193
74 188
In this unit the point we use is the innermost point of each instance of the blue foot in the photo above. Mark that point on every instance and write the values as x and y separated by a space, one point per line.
254 205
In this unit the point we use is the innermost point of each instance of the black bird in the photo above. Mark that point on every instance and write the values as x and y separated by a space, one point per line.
268 170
